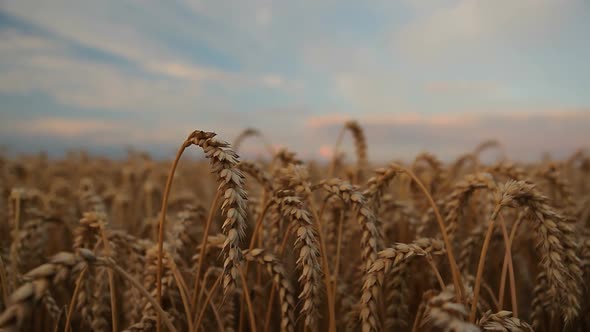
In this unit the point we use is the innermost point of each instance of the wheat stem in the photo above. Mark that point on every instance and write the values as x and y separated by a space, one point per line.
338 248
325 264
505 263
111 264
112 290
3 281
480 267
209 295
508 257
161 223
74 297
246 293
459 288
204 246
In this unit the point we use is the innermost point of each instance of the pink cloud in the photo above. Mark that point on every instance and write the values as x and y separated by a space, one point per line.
68 128
272 80
555 114
326 151
95 131
326 120
525 133
440 120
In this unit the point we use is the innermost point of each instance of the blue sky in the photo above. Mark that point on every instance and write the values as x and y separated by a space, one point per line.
418 75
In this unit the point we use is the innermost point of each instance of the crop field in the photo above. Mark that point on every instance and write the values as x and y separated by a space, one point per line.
216 242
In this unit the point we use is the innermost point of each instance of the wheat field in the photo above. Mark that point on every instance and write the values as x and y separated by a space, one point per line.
279 244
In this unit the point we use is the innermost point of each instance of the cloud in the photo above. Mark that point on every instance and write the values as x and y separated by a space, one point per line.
93 85
525 134
463 87
393 119
272 80
467 26
91 27
263 16
326 152
34 64
15 43
67 128
187 72
325 120
85 129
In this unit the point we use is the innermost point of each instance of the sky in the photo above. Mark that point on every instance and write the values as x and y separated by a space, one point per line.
418 75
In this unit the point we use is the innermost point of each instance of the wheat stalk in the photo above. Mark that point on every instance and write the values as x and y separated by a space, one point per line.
231 181
556 245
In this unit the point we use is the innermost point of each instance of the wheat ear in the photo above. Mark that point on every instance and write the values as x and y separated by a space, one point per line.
373 281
